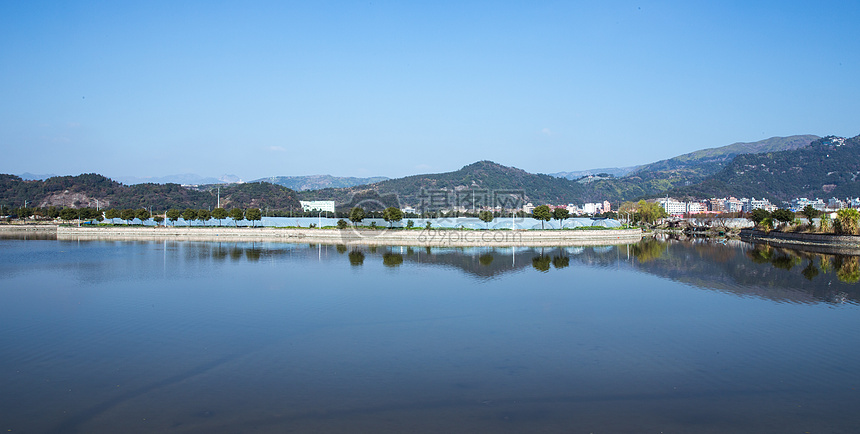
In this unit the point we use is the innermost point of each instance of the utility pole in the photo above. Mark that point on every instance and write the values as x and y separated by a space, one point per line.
219 196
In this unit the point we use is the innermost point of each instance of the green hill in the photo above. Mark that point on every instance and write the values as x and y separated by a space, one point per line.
89 190
480 176
827 167
657 178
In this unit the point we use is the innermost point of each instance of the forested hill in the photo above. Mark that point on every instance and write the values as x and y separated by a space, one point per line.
826 168
483 175
657 178
649 180
709 161
89 190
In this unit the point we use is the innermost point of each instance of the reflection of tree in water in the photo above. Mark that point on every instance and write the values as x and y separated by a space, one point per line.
541 263
785 261
486 259
341 248
392 259
648 249
810 271
825 263
849 269
253 254
236 253
219 253
356 258
761 254
560 261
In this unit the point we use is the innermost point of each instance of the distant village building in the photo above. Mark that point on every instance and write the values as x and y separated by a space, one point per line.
672 206
733 204
696 207
592 208
528 208
317 205
750 204
835 204
798 204
716 205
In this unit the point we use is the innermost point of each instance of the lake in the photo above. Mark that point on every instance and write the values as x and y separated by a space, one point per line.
658 336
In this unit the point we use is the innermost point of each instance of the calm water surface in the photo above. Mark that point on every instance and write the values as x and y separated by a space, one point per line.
106 337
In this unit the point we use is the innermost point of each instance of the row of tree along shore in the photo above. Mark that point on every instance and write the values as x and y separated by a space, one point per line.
356 215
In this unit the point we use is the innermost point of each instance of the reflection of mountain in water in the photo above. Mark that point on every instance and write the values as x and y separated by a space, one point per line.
733 267
753 270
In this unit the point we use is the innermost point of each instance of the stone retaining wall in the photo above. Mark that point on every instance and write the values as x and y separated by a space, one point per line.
851 241
426 237
28 229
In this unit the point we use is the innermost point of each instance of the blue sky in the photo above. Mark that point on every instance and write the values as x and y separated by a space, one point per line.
397 88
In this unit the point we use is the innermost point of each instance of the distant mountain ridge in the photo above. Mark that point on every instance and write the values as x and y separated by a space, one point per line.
648 180
705 173
828 167
482 175
91 190
183 179
317 182
614 171
712 159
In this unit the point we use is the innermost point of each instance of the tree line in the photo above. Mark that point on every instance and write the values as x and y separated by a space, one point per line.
188 215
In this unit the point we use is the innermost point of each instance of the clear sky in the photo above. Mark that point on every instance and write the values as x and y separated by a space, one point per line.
396 88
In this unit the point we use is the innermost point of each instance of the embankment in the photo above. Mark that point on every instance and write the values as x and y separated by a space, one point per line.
801 239
426 237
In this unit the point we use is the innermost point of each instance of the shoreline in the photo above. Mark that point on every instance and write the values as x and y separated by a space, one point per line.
349 236
851 242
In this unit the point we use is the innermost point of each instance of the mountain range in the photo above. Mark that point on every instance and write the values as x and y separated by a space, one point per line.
316 182
650 180
778 168
93 190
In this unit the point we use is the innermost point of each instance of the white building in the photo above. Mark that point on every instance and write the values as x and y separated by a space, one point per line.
672 206
696 207
592 208
317 205
751 204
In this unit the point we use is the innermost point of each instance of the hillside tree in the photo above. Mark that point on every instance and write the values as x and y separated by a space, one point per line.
542 213
392 214
356 215
560 214
253 214
810 213
219 214
486 217
189 215
142 214
204 215
173 215
127 215
237 214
